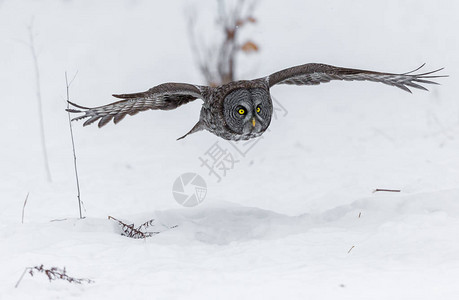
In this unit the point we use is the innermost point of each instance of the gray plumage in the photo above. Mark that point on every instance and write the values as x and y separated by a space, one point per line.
240 110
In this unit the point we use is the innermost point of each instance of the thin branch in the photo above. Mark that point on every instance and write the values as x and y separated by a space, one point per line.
58 220
53 273
38 95
67 84
20 278
218 63
140 232
386 190
23 207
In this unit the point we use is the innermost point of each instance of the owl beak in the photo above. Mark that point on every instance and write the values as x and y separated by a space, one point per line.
253 122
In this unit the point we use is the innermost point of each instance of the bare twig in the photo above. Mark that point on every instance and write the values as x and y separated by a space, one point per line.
58 220
360 213
67 84
52 274
218 64
130 231
386 190
20 278
38 95
350 249
139 232
23 208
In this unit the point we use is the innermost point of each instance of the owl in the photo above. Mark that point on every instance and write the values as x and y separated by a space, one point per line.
239 110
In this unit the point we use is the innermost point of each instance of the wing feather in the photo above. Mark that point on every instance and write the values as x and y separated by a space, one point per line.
313 74
166 96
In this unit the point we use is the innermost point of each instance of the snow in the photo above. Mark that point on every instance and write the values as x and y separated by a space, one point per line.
296 217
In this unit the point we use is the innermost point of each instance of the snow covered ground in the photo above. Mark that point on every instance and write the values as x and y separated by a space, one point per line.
296 217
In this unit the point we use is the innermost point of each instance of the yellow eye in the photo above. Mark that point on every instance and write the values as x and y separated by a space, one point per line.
258 109
241 111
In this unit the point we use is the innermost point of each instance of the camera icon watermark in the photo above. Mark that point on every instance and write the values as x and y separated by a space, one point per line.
189 189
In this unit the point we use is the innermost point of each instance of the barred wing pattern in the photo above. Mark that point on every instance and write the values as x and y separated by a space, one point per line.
313 74
166 96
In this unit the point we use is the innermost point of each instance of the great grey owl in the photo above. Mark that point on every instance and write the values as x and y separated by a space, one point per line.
240 110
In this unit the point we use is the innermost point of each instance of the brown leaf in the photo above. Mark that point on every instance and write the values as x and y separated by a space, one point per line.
249 46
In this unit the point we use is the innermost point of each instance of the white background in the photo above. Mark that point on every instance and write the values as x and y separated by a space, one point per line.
281 223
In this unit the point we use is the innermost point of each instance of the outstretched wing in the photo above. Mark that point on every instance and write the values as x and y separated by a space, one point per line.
166 96
313 74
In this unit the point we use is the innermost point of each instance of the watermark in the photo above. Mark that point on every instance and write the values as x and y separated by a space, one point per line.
278 109
189 189
218 161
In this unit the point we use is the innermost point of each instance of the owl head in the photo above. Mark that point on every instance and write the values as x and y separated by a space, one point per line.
247 112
